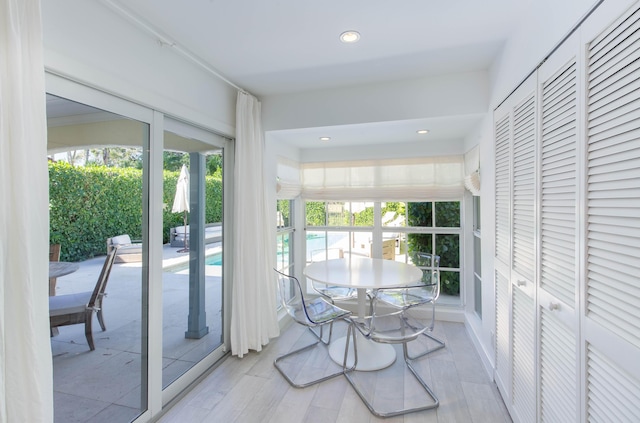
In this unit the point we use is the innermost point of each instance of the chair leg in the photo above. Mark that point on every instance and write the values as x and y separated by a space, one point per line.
289 379
101 320
320 335
440 343
351 335
88 333
434 403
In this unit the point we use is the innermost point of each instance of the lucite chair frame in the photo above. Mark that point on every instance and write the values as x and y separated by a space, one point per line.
312 313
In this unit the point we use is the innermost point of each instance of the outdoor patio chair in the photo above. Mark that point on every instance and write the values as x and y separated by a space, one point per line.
129 251
54 255
310 313
396 327
73 309
426 292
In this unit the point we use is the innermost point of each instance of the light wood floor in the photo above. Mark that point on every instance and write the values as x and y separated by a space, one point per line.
251 389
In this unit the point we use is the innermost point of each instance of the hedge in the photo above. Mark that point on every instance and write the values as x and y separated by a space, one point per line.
89 204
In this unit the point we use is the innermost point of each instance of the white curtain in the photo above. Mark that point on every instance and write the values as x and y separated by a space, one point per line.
253 313
26 380
436 178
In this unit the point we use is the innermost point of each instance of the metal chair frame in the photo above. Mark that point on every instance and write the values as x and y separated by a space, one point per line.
430 265
304 315
408 331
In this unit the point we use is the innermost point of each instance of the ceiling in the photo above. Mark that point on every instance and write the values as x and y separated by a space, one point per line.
283 46
275 46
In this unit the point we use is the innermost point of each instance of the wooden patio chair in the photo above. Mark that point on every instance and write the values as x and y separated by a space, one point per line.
72 309
54 255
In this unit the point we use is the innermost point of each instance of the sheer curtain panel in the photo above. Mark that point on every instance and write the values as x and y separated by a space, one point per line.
26 382
253 303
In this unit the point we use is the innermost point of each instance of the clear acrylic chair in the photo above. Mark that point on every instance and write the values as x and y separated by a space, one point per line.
425 292
330 292
396 327
312 313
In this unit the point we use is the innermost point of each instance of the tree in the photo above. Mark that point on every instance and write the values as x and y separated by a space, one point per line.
447 246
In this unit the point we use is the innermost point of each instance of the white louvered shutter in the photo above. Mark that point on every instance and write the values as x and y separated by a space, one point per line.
524 358
558 344
612 394
559 375
558 184
503 188
613 179
612 315
524 137
503 328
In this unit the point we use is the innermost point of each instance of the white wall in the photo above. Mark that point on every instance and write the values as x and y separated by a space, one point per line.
88 42
444 95
544 28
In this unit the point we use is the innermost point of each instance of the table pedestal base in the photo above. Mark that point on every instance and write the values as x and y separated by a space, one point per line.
371 355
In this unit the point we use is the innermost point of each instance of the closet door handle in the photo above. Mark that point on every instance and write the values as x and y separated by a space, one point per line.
554 306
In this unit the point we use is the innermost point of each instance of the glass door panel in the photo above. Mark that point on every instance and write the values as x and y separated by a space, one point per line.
193 251
96 189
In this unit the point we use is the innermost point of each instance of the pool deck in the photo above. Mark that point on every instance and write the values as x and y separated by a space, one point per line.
98 385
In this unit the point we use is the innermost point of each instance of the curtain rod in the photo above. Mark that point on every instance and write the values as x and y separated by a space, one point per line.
164 41
553 50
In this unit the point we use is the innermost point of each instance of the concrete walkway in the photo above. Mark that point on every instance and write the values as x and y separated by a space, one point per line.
104 384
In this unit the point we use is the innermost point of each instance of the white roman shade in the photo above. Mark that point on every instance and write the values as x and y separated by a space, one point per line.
288 179
472 171
436 178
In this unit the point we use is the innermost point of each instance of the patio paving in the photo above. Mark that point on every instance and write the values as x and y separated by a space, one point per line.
104 384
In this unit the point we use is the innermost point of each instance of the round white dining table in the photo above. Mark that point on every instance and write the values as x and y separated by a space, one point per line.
363 273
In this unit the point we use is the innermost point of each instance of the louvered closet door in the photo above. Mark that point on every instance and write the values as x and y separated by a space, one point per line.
612 321
515 138
523 313
502 277
558 378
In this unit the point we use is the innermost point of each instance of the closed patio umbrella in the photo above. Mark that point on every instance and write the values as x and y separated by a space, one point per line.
181 200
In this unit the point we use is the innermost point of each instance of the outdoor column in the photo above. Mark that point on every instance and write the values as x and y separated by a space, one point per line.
197 321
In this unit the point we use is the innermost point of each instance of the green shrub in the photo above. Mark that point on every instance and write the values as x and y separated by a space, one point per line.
89 204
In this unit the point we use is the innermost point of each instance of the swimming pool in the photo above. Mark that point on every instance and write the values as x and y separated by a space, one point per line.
213 260
210 260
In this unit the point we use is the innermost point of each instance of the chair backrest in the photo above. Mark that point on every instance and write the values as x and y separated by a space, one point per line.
326 254
101 284
292 298
430 265
54 252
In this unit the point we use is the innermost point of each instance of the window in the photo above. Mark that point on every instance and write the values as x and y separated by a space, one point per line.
285 235
477 258
338 228
284 241
352 228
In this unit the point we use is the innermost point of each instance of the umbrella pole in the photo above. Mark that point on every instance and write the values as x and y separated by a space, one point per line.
186 247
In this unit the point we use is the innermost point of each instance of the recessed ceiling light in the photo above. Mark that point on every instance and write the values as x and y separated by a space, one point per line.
349 36
422 131
325 138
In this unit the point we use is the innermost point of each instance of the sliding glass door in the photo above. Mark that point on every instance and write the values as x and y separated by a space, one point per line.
129 178
97 171
193 258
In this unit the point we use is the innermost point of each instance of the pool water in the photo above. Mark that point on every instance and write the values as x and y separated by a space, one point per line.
214 260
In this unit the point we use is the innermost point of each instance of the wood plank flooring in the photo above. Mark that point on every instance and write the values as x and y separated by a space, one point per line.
251 389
